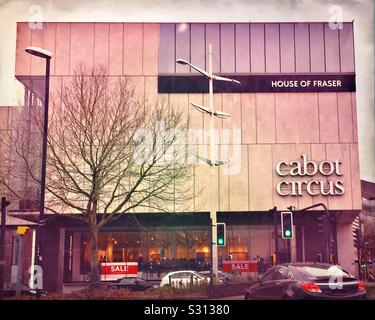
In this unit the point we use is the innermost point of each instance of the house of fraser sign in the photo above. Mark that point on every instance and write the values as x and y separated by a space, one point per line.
320 178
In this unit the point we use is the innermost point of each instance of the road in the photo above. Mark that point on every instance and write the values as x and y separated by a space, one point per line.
241 297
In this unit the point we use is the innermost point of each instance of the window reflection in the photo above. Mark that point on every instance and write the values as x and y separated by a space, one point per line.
178 249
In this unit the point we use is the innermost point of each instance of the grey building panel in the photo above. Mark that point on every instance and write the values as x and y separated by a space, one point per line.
302 45
317 47
242 42
213 37
332 49
346 48
182 46
227 48
167 48
258 48
287 48
197 45
257 58
272 36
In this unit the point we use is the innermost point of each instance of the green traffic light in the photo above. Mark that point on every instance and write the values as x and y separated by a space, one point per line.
287 233
220 241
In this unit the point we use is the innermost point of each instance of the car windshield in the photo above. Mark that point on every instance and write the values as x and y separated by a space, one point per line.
324 271
127 280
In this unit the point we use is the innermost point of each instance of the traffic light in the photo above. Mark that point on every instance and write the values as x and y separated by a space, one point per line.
221 234
287 225
357 238
321 223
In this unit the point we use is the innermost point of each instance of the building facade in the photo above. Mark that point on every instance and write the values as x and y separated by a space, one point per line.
292 136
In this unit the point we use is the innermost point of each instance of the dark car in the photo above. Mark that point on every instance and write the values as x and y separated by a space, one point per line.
297 281
133 284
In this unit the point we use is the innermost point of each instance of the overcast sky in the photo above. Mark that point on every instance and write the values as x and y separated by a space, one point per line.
362 11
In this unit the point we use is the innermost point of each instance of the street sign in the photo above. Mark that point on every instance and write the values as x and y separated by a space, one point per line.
22 230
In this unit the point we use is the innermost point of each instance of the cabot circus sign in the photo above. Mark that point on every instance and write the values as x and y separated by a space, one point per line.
315 182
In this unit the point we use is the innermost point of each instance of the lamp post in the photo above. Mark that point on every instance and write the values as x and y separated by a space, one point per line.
213 162
42 53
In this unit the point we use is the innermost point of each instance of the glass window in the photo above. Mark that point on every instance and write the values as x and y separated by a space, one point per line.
85 253
286 273
157 245
324 271
122 247
261 241
127 281
278 275
269 275
136 246
238 242
282 273
189 245
116 247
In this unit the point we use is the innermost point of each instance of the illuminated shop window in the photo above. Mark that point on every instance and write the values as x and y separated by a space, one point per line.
238 242
85 254
190 245
157 246
153 250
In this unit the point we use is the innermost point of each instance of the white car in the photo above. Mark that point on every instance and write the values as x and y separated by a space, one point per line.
223 276
182 278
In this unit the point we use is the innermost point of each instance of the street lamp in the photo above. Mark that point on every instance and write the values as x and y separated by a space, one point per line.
45 54
211 162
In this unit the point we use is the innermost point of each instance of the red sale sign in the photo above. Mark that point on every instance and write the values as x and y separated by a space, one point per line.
240 265
110 271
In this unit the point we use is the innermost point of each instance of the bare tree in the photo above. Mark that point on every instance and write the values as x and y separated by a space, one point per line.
368 220
109 153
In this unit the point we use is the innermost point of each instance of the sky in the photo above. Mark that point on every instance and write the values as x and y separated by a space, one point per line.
361 11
